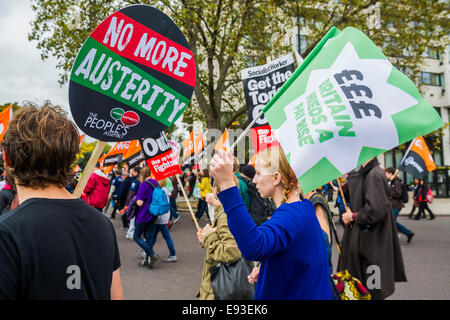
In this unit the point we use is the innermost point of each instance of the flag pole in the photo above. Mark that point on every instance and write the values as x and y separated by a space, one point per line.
188 203
244 133
90 166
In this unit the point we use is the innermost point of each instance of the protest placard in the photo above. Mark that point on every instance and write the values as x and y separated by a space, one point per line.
260 85
133 77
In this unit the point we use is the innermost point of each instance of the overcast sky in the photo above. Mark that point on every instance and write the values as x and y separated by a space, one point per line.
24 75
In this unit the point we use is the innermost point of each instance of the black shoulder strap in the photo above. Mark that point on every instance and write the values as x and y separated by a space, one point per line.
150 184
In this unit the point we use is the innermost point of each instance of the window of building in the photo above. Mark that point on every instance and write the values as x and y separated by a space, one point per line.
432 79
302 43
431 53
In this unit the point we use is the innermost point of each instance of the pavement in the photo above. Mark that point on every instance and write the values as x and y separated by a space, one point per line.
426 260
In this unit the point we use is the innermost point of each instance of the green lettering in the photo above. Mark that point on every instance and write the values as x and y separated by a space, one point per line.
325 87
324 135
336 109
306 140
346 125
319 119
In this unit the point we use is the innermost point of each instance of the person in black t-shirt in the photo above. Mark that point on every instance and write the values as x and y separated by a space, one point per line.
53 246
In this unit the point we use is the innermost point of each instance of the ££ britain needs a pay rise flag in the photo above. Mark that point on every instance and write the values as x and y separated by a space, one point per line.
343 106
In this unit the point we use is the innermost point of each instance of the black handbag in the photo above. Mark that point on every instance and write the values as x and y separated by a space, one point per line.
230 280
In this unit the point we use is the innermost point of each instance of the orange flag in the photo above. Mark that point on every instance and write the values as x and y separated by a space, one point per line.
224 142
81 139
135 147
5 118
188 146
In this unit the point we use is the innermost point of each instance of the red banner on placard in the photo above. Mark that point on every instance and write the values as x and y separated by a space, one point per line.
147 47
263 138
164 165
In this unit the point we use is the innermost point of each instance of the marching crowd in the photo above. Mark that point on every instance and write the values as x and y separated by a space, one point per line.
277 239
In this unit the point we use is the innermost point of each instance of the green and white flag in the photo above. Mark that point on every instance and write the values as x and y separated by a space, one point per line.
345 105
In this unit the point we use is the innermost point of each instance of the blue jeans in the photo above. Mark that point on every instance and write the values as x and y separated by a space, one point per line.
401 228
173 208
144 228
154 229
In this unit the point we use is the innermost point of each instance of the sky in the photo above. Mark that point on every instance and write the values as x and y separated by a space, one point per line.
24 75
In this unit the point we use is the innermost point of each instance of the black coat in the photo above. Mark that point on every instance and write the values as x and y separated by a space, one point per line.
373 239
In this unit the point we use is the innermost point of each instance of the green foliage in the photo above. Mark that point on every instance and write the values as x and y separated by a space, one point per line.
15 106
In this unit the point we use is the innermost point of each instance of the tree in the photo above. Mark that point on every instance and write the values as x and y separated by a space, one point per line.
15 106
405 30
85 152
221 35
226 34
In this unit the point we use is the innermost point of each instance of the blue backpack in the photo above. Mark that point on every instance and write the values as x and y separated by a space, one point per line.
160 203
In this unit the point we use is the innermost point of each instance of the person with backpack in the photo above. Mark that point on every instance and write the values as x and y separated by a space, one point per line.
160 209
422 197
144 218
396 190
260 209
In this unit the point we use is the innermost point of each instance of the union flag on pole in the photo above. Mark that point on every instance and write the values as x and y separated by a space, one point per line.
5 118
417 159
189 152
343 106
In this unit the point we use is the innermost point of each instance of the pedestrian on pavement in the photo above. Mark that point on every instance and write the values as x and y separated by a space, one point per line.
144 219
95 192
289 245
415 201
53 246
370 236
205 188
422 192
396 193
161 225
174 216
219 244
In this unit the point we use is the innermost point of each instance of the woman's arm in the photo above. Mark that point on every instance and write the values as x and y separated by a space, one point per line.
258 243
220 245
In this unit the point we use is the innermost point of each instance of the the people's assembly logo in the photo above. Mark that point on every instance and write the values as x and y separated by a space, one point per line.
118 128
